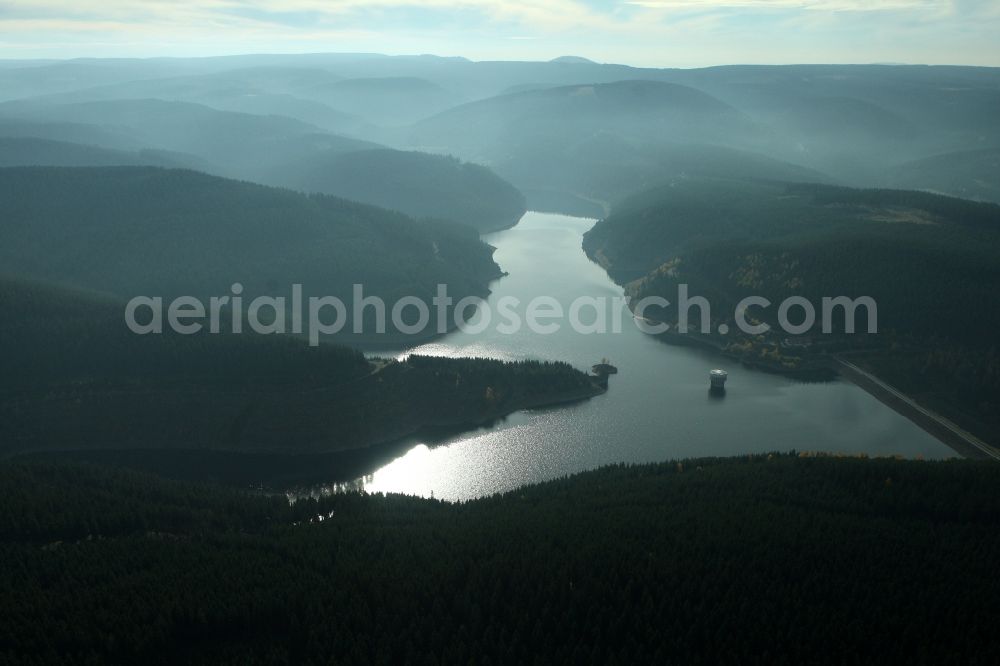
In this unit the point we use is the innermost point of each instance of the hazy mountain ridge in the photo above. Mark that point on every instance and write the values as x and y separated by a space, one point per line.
272 150
31 151
232 141
415 183
138 230
118 139
553 113
388 101
603 141
852 124
263 91
970 174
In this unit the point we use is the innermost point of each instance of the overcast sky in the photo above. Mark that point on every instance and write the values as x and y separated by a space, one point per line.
663 33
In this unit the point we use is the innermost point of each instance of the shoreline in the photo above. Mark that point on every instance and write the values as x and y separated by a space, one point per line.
943 429
819 370
460 424
280 470
946 431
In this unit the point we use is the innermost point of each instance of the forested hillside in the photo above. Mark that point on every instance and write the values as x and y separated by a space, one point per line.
777 559
929 261
235 142
415 183
385 100
30 151
229 140
142 231
190 481
603 141
72 376
971 174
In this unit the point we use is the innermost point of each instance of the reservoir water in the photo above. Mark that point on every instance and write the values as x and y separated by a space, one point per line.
658 406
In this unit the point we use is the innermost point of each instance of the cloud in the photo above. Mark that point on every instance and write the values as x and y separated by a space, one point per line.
648 31
814 5
551 13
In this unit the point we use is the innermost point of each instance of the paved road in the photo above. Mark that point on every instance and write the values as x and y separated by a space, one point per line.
911 404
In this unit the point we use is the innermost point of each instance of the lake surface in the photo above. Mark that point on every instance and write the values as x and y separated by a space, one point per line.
657 408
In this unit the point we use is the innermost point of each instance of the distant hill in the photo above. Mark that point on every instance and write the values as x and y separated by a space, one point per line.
388 84
855 121
837 135
526 87
138 230
268 149
33 78
389 100
573 60
604 141
852 123
30 151
595 173
234 142
274 104
417 184
649 110
970 174
259 91
117 138
931 98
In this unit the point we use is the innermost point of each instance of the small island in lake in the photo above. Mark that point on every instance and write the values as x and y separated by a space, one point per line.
75 378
